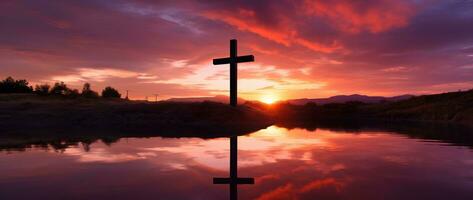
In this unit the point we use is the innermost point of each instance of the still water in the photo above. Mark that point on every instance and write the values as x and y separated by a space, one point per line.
286 164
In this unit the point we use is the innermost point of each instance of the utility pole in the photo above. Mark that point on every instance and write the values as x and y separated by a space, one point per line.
155 97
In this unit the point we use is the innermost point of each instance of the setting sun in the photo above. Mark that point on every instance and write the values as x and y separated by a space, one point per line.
268 99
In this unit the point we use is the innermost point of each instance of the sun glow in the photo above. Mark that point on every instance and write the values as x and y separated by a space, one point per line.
268 99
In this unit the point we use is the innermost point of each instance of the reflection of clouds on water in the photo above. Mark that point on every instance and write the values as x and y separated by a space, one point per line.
290 191
396 159
210 153
265 146
102 155
294 164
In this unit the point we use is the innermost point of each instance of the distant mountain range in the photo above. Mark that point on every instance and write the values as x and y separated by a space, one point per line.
348 98
321 101
218 98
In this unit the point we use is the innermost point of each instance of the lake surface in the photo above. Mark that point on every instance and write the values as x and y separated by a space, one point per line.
286 164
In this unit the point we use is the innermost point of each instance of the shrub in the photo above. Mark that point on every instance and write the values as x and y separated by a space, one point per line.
72 93
59 88
10 85
87 92
42 90
110 92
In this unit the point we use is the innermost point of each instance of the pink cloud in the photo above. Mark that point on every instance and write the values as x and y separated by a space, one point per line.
357 16
283 34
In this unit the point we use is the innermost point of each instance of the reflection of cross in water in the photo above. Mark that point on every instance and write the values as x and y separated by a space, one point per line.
233 180
233 60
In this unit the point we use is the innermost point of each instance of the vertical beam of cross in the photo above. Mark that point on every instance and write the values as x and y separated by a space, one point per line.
233 60
233 74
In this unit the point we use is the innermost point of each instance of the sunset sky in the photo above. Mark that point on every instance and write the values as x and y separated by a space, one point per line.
302 48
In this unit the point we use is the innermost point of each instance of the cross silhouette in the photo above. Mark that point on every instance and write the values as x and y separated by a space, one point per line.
233 60
233 180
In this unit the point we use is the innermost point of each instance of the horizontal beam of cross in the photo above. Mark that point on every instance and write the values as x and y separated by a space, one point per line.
239 59
234 181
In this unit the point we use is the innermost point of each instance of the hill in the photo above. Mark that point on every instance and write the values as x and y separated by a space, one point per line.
302 101
446 107
451 107
218 98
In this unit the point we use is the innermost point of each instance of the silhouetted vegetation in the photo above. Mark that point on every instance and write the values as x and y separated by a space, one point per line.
110 92
10 85
42 90
87 92
72 93
447 107
59 88
451 106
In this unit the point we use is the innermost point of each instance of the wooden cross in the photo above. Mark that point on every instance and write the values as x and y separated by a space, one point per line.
233 60
233 180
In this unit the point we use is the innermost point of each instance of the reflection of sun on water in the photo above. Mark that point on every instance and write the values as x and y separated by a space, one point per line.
272 131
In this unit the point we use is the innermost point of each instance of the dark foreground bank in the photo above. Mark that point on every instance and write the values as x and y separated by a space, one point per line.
28 114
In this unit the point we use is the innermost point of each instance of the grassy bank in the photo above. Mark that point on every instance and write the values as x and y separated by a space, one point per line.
24 113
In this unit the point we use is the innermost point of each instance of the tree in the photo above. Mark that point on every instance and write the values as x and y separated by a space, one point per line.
110 92
59 88
87 92
72 93
42 90
10 85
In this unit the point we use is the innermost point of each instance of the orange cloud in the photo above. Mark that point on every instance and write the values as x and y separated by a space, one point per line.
283 192
283 34
355 16
317 184
318 47
245 22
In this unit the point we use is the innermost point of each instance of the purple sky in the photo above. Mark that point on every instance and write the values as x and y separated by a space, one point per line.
302 48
